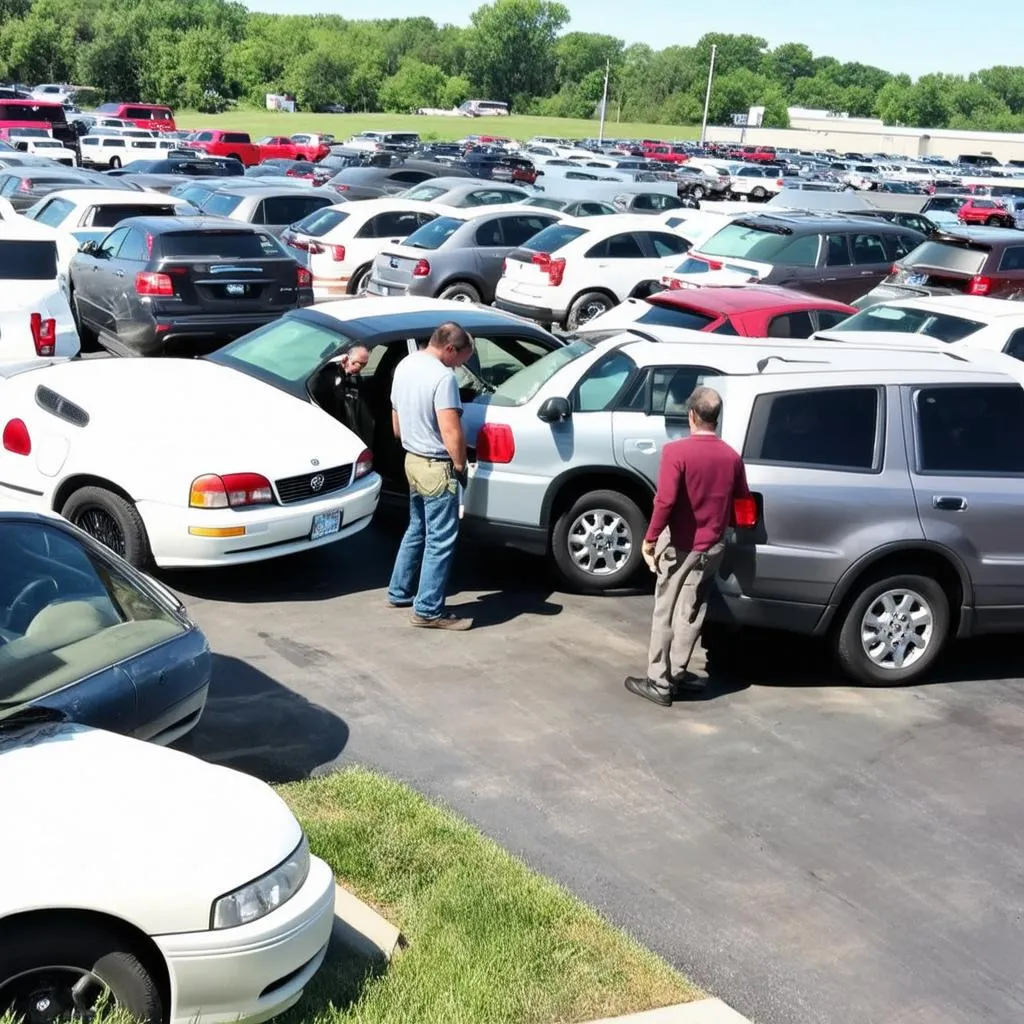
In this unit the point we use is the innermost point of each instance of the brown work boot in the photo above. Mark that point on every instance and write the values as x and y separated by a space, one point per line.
447 620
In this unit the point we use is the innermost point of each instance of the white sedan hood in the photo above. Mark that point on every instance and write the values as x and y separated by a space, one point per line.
144 832
157 424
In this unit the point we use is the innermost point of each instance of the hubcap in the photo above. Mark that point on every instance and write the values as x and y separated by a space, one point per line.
460 297
100 524
896 629
600 542
590 310
53 995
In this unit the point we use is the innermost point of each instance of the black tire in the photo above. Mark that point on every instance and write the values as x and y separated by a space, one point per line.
850 650
584 309
115 163
357 286
460 291
26 955
87 338
112 520
698 192
578 577
758 193
993 221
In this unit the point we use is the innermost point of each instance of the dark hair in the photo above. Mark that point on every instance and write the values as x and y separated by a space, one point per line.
706 405
450 333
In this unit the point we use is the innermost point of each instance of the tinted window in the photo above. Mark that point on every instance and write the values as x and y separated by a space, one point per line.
235 137
226 244
618 247
666 245
672 386
54 212
902 244
955 429
1015 346
1013 258
555 237
603 382
23 260
109 216
396 224
319 223
868 249
837 251
828 318
944 256
518 229
791 325
54 113
92 614
745 242
219 205
831 428
677 316
434 234
288 209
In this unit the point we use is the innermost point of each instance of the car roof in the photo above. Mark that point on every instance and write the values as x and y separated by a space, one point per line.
264 190
165 225
748 298
23 229
992 236
810 220
114 196
968 306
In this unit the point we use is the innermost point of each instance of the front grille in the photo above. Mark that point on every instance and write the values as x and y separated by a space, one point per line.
299 488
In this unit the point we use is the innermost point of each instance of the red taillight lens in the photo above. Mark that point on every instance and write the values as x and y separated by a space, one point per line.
44 334
340 188
673 284
422 269
233 490
504 267
980 285
26 185
16 438
895 268
337 253
303 277
555 268
744 512
495 443
149 283
364 464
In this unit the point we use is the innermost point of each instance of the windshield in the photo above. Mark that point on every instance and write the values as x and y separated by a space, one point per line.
904 320
284 353
943 256
434 234
317 224
425 193
67 613
220 205
522 386
750 243
553 238
23 260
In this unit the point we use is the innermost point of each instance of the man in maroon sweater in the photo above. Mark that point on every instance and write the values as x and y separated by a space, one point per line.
698 480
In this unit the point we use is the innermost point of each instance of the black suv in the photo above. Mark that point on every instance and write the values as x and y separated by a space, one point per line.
154 281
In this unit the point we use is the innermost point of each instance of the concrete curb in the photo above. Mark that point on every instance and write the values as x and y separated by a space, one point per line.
362 929
704 1011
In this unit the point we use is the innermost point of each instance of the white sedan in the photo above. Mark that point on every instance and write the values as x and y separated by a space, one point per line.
205 908
185 462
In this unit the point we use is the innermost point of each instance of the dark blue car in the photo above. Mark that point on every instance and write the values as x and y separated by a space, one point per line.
83 632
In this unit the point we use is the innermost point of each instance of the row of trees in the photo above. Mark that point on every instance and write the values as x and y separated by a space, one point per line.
198 53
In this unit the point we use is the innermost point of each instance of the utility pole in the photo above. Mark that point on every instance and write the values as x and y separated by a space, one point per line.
707 96
604 99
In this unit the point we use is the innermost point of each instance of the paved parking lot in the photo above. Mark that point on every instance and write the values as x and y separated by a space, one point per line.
809 851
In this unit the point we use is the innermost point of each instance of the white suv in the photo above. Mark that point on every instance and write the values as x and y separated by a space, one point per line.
757 183
573 271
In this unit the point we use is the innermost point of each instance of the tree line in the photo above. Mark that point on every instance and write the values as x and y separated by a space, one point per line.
208 54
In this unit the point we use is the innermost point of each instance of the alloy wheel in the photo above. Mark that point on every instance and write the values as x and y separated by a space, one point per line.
600 542
897 628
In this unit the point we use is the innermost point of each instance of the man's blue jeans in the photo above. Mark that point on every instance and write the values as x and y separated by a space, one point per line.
428 547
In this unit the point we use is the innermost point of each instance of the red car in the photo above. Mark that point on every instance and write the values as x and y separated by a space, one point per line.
747 310
979 210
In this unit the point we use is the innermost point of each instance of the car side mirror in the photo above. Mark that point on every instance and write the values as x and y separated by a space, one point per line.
88 247
554 410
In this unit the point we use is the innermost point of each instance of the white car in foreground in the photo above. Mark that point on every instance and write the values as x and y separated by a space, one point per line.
185 462
205 908
35 318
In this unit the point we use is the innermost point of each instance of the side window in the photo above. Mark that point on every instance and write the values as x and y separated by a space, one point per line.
827 428
666 245
955 429
409 177
488 197
1015 346
828 318
837 251
791 325
54 212
644 202
1013 258
518 229
671 387
112 243
801 252
602 383
390 225
900 245
489 233
283 209
134 247
204 137
868 249
618 247
494 360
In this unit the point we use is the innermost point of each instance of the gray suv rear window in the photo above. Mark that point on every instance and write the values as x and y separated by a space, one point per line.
828 428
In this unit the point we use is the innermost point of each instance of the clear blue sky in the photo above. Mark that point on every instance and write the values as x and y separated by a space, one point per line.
915 36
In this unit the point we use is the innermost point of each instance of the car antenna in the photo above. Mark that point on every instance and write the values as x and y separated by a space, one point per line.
762 364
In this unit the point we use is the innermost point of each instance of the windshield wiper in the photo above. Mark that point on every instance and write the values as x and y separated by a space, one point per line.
28 714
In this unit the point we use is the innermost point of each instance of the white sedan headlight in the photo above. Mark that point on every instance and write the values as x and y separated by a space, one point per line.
258 898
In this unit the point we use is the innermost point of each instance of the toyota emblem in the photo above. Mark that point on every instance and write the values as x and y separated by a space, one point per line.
316 483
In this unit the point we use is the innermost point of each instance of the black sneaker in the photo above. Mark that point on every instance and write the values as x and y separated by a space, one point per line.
644 687
689 683
446 621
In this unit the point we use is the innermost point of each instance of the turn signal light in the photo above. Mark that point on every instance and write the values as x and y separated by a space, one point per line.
233 490
364 464
422 269
16 438
44 334
495 443
744 512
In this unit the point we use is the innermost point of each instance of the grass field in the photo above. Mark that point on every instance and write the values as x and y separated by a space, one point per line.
270 122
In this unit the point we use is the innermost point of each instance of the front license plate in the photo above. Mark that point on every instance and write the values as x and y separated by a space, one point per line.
325 524
916 280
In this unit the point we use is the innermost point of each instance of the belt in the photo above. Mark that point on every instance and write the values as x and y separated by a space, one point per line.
430 458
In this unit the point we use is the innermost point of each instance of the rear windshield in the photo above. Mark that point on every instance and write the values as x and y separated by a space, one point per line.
320 222
944 256
741 241
424 193
522 386
677 316
220 205
54 114
110 216
942 326
244 245
23 260
555 237
434 234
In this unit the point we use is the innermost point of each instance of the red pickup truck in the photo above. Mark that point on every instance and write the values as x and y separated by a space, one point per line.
232 144
279 147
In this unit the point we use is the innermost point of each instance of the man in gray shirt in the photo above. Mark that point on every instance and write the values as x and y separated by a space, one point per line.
426 415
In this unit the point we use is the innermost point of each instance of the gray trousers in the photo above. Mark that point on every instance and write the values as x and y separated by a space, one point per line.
680 603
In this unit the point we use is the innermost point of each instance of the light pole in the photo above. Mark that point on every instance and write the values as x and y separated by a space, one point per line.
707 96
604 100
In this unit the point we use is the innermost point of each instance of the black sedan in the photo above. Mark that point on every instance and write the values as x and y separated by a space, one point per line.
83 633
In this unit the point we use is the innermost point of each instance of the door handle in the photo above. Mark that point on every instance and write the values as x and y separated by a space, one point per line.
868 273
645 445
949 503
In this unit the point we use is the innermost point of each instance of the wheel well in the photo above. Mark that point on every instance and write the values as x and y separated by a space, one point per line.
140 943
74 483
564 492
234 156
586 291
476 285
355 276
918 561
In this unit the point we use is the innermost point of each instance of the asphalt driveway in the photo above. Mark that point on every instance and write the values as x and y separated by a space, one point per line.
809 851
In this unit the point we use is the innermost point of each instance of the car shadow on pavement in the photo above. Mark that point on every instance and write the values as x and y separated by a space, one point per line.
339 983
254 724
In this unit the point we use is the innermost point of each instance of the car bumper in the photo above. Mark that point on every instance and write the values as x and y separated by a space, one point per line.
268 532
518 497
422 286
495 533
253 972
528 311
